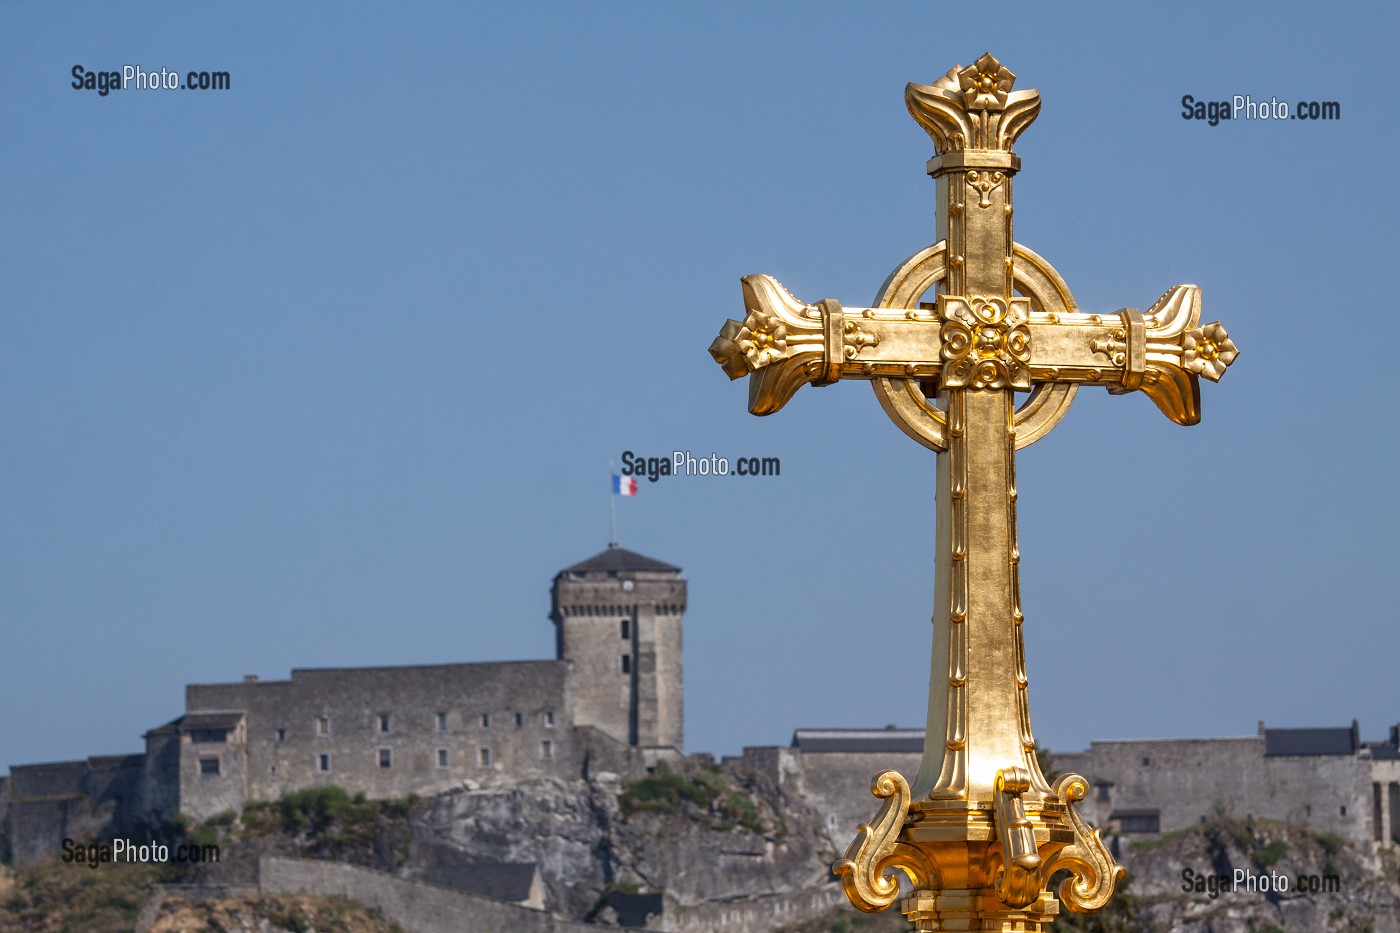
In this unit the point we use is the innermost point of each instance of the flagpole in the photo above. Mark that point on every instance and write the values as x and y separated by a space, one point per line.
612 508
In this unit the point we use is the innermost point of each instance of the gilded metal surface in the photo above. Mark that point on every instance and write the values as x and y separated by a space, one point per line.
1094 872
876 850
984 342
980 831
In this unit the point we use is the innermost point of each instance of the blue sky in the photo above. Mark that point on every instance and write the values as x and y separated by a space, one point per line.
327 369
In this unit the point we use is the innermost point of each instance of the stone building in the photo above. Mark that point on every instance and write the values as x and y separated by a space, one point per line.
611 699
831 769
1326 779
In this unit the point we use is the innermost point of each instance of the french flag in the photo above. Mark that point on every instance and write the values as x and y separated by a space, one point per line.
624 485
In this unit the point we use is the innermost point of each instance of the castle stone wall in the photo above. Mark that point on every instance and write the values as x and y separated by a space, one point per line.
1385 797
662 624
591 639
1188 780
92 798
781 765
204 791
1080 763
753 914
426 908
838 786
1179 782
1327 793
382 729
1184 780
415 906
161 774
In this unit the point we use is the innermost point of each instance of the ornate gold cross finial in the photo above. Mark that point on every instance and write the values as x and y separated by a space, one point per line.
981 830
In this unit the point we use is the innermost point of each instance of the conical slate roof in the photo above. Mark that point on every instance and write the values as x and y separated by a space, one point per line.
620 559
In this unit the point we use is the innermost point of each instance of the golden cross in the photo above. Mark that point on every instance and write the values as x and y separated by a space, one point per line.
981 831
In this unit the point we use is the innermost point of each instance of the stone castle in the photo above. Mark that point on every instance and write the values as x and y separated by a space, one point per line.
611 701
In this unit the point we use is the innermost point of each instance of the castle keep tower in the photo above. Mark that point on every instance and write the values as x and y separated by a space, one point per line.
617 620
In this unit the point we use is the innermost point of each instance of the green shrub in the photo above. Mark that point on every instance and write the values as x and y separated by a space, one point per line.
740 809
663 791
1331 843
709 791
1270 854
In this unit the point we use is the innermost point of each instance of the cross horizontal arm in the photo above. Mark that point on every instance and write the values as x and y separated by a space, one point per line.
783 344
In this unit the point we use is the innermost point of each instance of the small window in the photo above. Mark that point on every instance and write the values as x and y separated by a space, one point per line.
1138 821
546 749
1102 791
323 763
1139 824
486 720
625 632
1344 809
483 757
281 735
208 735
383 722
1147 762
549 719
442 722
323 725
519 720
442 757
211 766
626 664
386 758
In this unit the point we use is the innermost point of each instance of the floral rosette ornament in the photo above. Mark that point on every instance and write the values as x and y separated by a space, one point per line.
762 338
1207 351
985 342
985 84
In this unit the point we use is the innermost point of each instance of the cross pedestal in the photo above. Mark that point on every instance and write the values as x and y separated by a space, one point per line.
980 831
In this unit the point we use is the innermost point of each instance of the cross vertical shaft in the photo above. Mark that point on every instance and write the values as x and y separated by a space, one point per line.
978 717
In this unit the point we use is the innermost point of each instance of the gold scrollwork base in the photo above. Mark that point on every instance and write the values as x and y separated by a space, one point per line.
982 865
877 851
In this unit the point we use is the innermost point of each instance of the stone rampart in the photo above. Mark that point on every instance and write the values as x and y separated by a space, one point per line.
752 914
415 906
1185 781
92 798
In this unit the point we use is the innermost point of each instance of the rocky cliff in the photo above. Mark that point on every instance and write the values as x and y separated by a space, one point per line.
1250 876
695 834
